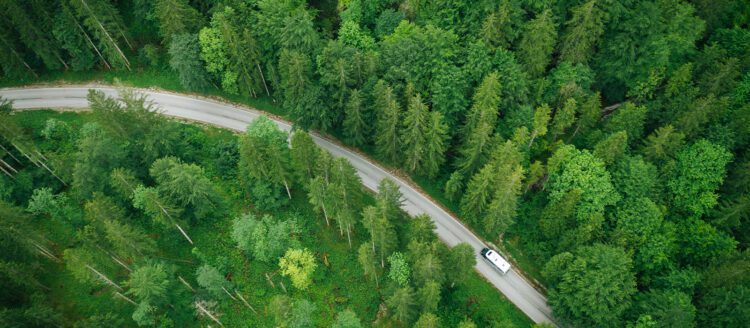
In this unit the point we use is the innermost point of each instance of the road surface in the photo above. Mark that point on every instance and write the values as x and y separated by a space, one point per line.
225 115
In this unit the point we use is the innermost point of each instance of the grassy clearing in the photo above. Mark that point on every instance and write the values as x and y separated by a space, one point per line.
338 285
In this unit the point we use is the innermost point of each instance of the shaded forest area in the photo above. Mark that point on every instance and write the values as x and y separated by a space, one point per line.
603 142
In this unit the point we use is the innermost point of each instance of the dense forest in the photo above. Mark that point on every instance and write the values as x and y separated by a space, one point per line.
602 143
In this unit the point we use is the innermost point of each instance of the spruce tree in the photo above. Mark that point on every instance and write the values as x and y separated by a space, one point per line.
387 127
479 126
355 128
413 138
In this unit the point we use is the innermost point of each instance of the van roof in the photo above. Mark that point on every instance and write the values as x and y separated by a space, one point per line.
498 261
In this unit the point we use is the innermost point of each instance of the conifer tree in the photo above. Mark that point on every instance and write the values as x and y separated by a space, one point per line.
402 303
304 156
479 126
582 32
355 128
564 118
413 135
437 139
537 43
539 125
104 21
175 17
387 127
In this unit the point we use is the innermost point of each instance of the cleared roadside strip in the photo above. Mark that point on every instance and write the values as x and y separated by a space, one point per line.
450 230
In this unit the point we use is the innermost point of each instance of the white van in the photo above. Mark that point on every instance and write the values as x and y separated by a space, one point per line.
498 261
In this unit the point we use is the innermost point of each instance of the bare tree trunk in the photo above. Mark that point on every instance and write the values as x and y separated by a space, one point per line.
9 153
121 263
228 293
184 233
124 58
289 193
263 78
45 251
245 302
282 286
62 61
533 136
120 295
349 234
8 166
7 45
199 306
270 282
325 215
185 283
91 43
7 173
103 277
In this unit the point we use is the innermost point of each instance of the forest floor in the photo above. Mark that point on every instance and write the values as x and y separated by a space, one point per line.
338 281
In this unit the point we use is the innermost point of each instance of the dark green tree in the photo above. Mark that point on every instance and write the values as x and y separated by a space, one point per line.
184 53
388 117
537 43
582 32
479 126
354 122
176 17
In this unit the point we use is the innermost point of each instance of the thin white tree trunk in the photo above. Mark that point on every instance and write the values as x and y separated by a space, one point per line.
349 234
8 166
124 58
263 78
245 302
9 153
44 251
185 283
270 282
7 173
121 263
91 43
103 277
289 193
199 306
120 295
325 213
184 233
7 45
62 61
228 293
533 136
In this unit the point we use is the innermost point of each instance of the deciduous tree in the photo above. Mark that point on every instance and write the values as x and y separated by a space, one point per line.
700 170
298 265
592 287
399 271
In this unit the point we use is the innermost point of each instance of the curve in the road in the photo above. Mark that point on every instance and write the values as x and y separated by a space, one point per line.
449 229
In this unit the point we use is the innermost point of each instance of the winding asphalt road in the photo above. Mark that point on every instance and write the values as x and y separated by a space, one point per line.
449 229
